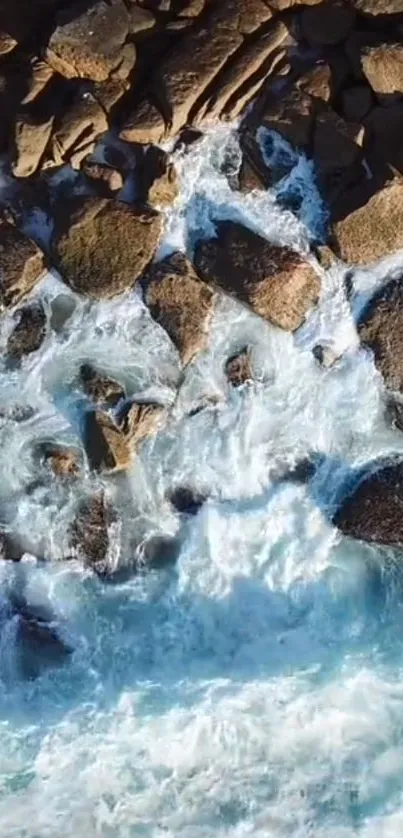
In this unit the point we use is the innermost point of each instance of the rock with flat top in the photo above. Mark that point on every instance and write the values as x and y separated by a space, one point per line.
186 500
22 264
277 283
158 181
28 334
88 40
380 328
144 124
7 43
373 512
29 144
101 247
292 115
100 388
180 303
374 229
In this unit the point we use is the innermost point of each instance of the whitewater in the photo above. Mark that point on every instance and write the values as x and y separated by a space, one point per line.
254 687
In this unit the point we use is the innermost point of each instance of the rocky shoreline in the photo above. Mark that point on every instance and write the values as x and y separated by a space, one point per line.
94 93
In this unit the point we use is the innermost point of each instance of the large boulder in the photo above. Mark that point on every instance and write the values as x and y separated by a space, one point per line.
87 41
292 115
381 329
110 445
180 303
383 67
102 246
28 334
374 228
22 264
38 641
374 510
275 282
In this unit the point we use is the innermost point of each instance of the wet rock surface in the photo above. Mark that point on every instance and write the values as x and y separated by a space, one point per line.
90 532
28 334
22 265
238 368
100 388
373 512
381 330
275 282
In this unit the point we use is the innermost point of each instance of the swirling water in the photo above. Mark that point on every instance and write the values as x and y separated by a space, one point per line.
255 688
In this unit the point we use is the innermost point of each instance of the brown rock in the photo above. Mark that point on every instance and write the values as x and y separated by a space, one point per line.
336 149
374 510
87 42
103 246
21 265
292 116
379 7
77 129
180 303
62 308
28 334
381 330
140 20
328 23
41 74
383 67
317 82
192 8
108 93
107 447
63 461
104 391
374 229
30 141
276 64
238 368
90 532
280 5
159 182
325 355
140 420
242 69
104 179
144 124
275 282
357 101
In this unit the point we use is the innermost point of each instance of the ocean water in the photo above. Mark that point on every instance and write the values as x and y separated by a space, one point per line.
255 687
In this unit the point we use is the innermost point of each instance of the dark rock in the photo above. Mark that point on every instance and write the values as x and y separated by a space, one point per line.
238 368
275 282
28 334
62 308
103 179
159 551
102 247
90 532
39 644
356 102
107 447
10 550
186 500
180 303
384 137
373 512
292 115
317 82
328 23
104 391
380 328
302 472
22 264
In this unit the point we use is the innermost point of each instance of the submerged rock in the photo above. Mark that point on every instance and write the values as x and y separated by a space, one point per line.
62 460
90 532
186 500
22 264
101 389
374 510
103 246
275 282
62 308
238 368
180 303
159 551
28 334
9 548
380 328
39 645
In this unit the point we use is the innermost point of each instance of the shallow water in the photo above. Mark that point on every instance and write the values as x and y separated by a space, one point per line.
254 689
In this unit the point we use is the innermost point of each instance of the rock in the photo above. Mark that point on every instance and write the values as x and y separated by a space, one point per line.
107 447
104 391
192 8
241 71
158 551
380 328
28 334
9 549
379 7
62 308
22 264
144 124
384 137
317 82
292 116
356 102
76 131
336 149
90 532
373 230
38 642
30 141
140 420
180 303
394 413
63 461
325 256
87 41
186 500
275 282
373 512
140 20
41 74
325 355
383 67
159 182
328 23
103 178
238 368
102 246
7 43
